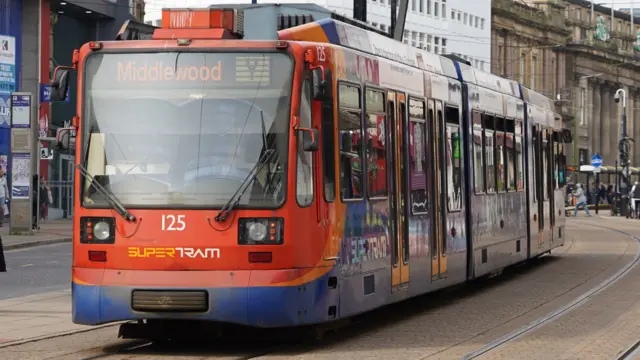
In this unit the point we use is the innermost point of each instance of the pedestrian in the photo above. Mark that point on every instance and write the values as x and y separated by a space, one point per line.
581 200
5 195
634 195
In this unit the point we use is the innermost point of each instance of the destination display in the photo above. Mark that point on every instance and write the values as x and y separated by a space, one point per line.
188 70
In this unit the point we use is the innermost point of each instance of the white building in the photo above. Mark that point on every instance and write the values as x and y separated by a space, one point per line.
461 27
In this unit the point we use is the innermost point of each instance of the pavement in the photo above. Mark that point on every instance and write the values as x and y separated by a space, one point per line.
51 232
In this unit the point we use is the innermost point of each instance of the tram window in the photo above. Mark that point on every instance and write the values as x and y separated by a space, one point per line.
328 153
489 160
376 145
418 164
499 157
535 158
304 172
545 164
478 173
350 135
453 159
519 163
510 155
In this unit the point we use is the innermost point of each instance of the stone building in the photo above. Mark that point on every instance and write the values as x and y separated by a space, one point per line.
580 57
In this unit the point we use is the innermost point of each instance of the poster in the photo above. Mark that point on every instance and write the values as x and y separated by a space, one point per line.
7 64
20 179
21 111
5 109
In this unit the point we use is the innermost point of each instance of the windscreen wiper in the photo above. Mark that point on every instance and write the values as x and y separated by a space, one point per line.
108 195
235 199
264 148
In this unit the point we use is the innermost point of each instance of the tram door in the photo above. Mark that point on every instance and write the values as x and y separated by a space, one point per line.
539 179
436 147
397 139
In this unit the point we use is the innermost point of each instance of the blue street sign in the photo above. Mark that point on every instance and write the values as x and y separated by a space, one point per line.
596 160
45 93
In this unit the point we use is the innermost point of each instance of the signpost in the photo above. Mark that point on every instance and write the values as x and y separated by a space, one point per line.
596 162
23 161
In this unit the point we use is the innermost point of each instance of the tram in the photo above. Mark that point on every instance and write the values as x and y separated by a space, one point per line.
297 181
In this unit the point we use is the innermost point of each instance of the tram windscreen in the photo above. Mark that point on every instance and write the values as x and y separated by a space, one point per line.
185 129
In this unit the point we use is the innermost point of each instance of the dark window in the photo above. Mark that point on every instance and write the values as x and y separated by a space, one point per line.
453 158
478 172
418 163
376 144
350 133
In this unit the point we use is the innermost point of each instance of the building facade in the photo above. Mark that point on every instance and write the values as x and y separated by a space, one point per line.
580 58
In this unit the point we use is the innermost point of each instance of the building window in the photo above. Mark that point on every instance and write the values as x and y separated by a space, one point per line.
459 15
554 74
477 22
583 156
453 14
582 109
421 6
482 24
444 10
522 68
444 45
465 18
436 9
428 7
534 64
413 5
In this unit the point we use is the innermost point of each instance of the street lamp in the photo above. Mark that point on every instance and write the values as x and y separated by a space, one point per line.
623 148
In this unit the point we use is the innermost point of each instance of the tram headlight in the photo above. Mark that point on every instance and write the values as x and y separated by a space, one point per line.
97 230
101 231
260 231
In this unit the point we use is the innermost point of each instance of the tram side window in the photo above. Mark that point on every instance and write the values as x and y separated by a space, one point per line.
304 172
545 164
510 154
478 168
453 158
328 153
536 158
489 161
350 135
519 157
500 165
376 144
418 164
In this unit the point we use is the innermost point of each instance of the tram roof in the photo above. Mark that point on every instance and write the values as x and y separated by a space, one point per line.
339 33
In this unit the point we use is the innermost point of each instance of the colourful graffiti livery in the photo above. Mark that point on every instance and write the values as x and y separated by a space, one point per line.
421 173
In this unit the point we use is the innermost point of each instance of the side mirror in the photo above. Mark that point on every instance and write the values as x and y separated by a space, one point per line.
63 138
60 84
321 84
309 138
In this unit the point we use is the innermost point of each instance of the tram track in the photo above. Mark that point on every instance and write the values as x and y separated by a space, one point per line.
577 302
631 353
441 305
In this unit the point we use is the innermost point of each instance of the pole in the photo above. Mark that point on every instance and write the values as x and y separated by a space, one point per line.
623 148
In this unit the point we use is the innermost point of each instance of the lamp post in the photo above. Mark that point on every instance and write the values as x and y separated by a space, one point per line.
623 148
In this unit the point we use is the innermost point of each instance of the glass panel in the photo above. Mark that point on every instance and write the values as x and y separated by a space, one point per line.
489 161
418 168
478 168
304 172
500 166
349 129
186 128
376 144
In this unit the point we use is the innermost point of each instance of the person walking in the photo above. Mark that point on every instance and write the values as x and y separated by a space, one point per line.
4 195
581 200
634 195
